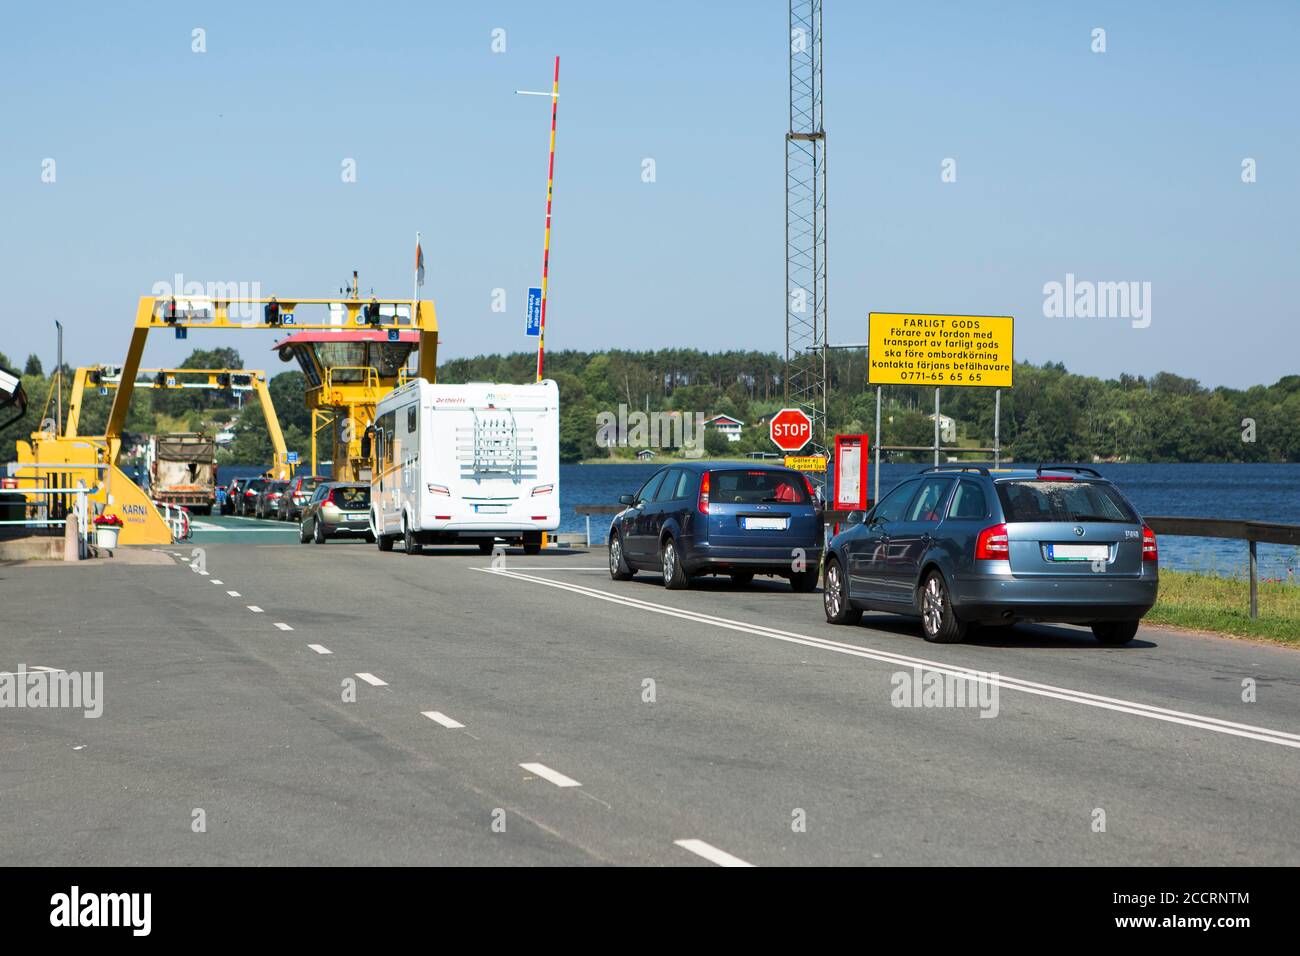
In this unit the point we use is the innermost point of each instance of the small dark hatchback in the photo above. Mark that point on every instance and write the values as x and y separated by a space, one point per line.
728 518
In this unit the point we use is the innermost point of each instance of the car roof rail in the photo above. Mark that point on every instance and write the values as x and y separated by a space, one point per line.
1080 468
980 468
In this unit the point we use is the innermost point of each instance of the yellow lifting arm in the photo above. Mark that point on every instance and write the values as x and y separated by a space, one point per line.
199 312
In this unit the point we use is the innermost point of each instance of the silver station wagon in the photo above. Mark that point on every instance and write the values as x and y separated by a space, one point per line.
958 545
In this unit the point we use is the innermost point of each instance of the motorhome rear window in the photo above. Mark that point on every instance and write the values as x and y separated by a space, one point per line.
1078 501
757 487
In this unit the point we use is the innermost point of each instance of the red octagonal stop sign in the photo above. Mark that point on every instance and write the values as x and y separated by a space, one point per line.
790 429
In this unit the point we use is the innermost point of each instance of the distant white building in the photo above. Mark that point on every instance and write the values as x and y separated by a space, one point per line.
731 427
947 429
645 454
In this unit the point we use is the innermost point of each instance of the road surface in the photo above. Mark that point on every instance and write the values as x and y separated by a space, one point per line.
539 713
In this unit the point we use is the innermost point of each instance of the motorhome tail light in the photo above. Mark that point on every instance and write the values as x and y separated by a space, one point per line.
442 517
1149 552
991 545
438 490
543 490
539 517
704 493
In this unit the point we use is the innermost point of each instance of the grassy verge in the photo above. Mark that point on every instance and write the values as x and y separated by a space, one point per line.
1205 602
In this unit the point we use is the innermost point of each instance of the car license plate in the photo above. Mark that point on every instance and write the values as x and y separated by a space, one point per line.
1078 552
767 524
489 509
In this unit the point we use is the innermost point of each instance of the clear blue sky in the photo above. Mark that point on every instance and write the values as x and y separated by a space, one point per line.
225 166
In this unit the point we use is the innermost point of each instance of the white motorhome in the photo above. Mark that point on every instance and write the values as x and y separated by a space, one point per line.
465 463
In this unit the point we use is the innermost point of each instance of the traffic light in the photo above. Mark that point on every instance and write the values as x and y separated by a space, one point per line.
271 313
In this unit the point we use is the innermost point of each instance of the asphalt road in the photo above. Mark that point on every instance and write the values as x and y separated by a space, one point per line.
733 717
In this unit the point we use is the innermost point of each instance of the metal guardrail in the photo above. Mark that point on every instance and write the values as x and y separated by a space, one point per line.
1252 532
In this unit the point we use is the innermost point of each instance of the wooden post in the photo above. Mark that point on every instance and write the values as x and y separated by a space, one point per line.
1254 583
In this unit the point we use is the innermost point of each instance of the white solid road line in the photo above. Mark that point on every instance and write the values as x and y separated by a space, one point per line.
1280 737
546 773
234 593
320 648
711 853
255 609
282 626
372 680
440 718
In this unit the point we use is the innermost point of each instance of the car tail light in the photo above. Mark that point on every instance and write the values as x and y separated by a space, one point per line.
438 490
812 491
704 494
1149 552
543 489
992 545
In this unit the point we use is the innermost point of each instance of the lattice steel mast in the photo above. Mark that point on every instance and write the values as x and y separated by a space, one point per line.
805 224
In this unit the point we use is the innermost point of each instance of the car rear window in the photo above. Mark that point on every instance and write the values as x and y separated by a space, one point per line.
757 487
308 485
352 499
1078 501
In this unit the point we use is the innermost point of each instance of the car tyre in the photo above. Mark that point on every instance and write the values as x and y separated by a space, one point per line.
303 536
384 541
939 622
835 596
619 569
1115 633
532 542
805 582
318 533
675 577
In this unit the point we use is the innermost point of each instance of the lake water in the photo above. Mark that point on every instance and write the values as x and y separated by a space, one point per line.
1253 492
1248 492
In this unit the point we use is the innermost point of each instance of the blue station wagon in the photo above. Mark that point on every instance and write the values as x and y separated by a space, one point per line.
723 518
957 546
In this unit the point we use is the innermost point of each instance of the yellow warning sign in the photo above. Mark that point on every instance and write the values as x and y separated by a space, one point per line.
806 462
911 349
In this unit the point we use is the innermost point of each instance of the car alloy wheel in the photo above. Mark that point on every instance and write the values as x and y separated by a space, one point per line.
615 556
932 605
675 577
833 596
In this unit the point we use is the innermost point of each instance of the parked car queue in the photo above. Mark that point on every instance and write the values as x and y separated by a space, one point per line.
953 546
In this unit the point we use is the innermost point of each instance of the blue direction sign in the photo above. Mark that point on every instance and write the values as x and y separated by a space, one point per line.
291 458
534 310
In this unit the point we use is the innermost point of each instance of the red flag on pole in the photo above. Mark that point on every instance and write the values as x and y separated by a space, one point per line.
419 264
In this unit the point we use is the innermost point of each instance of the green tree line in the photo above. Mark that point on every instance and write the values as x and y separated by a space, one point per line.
1050 414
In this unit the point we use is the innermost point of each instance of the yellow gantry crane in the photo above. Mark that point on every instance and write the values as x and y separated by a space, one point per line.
105 377
346 372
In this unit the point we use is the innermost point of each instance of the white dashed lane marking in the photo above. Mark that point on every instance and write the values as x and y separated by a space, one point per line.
711 853
372 680
255 609
440 718
282 626
320 648
233 593
546 773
